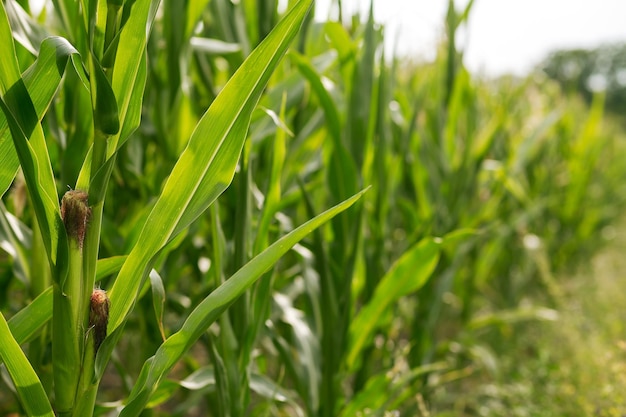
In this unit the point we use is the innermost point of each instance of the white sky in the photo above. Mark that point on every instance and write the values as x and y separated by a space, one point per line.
502 35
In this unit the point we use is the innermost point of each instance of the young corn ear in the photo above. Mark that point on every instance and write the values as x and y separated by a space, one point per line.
75 212
98 316
70 305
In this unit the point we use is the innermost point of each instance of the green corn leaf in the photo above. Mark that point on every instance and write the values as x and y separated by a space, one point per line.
39 178
16 240
342 168
9 68
333 118
119 113
27 322
212 306
407 275
129 72
43 77
105 107
41 80
26 31
29 389
272 195
108 266
158 299
195 8
22 113
206 167
341 41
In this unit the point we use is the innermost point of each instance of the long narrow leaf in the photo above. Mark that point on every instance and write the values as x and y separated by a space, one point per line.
130 58
9 75
22 114
211 307
42 80
407 275
27 322
29 389
207 165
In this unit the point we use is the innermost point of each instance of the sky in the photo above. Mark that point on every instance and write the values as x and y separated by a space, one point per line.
502 36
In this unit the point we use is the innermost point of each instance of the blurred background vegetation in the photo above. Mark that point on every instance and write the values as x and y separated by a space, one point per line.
586 72
455 288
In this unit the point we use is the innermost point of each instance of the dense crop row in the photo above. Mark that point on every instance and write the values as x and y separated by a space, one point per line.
201 152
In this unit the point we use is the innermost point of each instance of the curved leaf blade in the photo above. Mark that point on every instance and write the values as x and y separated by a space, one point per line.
29 389
214 305
26 323
407 275
23 105
206 167
42 80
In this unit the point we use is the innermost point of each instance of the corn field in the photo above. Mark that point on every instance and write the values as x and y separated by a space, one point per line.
217 208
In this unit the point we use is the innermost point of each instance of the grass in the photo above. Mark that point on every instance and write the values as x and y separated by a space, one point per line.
201 140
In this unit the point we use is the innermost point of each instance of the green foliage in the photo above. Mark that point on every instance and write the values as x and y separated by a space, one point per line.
570 364
202 141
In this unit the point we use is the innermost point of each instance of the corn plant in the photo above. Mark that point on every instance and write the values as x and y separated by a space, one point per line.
105 50
158 155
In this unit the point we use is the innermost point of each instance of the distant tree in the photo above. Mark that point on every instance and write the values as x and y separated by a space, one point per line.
590 71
